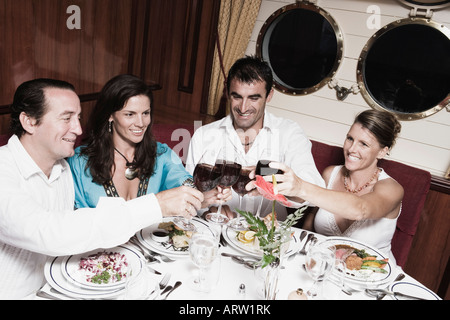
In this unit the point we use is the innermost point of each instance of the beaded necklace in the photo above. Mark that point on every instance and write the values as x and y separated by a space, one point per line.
346 176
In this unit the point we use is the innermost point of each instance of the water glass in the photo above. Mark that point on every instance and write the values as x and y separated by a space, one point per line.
141 285
203 251
319 263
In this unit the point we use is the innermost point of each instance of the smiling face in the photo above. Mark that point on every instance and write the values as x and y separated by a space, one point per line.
361 149
131 122
55 136
248 103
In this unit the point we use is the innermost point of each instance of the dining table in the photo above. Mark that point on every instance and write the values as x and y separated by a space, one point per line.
234 280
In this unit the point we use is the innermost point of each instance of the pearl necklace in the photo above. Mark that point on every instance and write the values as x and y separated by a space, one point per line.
346 175
130 172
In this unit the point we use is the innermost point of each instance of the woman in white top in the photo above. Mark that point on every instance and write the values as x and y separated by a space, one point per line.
361 201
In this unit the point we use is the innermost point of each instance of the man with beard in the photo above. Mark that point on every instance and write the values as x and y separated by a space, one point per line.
250 133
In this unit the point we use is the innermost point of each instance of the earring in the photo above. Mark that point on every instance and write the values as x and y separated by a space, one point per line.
110 127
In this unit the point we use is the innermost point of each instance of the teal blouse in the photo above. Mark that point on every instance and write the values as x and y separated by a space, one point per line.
169 173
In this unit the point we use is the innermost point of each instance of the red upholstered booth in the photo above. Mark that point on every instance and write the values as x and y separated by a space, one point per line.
416 182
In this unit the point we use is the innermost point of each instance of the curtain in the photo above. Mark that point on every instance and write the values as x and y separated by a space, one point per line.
236 22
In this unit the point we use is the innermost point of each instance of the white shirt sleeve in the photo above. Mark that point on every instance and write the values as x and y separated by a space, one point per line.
59 230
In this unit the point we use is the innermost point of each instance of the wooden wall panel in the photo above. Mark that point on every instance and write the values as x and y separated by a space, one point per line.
428 260
36 42
168 43
16 49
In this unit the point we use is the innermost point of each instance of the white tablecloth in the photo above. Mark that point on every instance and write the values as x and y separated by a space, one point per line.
232 275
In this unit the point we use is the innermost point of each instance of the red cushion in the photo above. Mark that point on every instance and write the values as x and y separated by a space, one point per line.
415 182
176 136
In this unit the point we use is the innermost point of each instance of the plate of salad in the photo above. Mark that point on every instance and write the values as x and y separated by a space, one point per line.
102 269
364 265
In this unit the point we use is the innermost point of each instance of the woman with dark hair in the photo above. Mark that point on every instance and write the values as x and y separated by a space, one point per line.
120 156
361 200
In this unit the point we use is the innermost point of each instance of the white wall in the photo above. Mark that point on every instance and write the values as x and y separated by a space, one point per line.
423 143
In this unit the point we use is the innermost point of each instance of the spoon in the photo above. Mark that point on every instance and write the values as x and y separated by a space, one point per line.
380 296
176 285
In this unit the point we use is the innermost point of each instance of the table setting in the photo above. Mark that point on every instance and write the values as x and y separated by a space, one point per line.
236 274
246 258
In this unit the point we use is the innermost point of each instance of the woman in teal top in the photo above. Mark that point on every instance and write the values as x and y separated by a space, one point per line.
169 173
120 157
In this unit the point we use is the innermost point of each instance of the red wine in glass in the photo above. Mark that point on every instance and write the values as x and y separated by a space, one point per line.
263 169
206 176
243 180
230 172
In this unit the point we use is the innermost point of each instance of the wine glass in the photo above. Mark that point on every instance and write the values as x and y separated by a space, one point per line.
319 263
263 169
203 250
140 284
229 174
206 176
239 188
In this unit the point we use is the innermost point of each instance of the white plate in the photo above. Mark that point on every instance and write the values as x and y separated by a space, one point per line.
145 238
413 290
230 234
71 271
55 278
363 278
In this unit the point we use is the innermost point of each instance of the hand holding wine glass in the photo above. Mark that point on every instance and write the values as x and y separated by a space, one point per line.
263 168
229 173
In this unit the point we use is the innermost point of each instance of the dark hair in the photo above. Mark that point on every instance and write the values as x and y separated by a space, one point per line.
251 69
383 125
99 148
30 99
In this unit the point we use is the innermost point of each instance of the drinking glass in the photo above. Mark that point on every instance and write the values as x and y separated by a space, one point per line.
206 176
203 250
239 188
263 169
140 284
229 173
319 263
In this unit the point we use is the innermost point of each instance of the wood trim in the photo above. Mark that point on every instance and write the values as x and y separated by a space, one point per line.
190 46
440 184
210 58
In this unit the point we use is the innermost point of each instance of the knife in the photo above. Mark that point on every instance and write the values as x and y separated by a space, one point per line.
399 294
393 293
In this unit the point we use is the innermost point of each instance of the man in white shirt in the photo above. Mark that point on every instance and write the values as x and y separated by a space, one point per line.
37 216
251 133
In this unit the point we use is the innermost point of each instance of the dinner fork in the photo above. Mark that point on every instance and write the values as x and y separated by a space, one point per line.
302 236
164 281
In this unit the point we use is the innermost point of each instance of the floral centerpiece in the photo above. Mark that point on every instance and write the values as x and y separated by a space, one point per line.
272 237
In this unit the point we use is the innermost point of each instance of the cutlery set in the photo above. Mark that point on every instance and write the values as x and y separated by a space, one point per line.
165 289
150 256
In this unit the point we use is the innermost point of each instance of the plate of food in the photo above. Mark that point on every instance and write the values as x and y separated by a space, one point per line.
364 264
102 269
166 238
246 242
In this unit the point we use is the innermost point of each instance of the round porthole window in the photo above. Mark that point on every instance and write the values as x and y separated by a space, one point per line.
303 45
405 68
